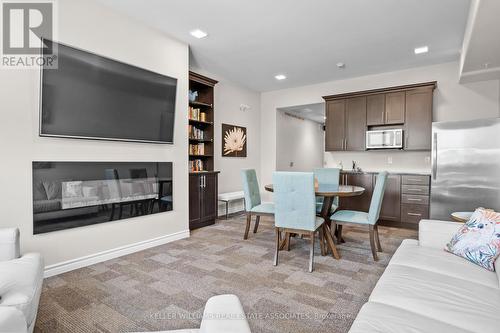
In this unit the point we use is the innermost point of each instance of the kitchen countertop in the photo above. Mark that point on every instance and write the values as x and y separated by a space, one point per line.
395 171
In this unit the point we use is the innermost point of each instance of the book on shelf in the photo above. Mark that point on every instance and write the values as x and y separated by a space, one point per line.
196 114
197 149
196 133
196 165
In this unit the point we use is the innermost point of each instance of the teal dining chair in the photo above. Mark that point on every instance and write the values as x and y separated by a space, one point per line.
330 176
295 203
253 204
369 219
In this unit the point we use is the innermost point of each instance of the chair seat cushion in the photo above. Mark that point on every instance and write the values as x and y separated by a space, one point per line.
319 222
350 216
264 208
458 302
381 318
410 253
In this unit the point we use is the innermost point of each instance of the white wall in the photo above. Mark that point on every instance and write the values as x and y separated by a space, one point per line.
452 101
98 29
300 141
228 98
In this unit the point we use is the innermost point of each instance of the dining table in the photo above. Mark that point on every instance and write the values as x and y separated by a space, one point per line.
329 192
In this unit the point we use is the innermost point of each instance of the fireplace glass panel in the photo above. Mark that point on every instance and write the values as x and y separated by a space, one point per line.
74 194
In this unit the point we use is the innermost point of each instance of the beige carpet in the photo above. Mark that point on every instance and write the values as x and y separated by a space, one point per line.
166 287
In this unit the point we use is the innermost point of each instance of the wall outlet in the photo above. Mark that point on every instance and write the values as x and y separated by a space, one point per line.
291 164
389 159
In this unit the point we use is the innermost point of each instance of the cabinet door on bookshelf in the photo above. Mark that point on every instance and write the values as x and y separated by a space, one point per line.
194 199
209 197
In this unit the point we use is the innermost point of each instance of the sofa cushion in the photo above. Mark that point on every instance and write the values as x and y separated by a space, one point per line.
24 276
380 318
410 253
478 240
458 302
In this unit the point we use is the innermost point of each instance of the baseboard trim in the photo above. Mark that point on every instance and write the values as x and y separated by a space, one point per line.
95 258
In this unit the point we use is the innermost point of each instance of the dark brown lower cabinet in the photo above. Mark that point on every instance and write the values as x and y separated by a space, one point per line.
362 202
202 199
391 204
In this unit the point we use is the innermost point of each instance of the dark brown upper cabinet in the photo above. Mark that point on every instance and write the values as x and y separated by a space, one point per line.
355 124
418 125
395 108
345 124
335 125
349 115
375 109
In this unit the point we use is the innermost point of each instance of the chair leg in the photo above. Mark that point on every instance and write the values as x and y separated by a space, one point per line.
278 241
288 237
339 233
311 253
372 243
377 238
322 241
247 228
257 220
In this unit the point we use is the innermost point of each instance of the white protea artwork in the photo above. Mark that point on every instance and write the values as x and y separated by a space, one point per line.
234 141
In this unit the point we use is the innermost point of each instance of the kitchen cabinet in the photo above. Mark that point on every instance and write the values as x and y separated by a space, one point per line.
395 108
355 124
345 125
202 199
361 202
335 125
375 110
349 115
418 125
391 203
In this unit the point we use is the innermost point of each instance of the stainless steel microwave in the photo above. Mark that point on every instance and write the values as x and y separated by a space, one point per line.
384 139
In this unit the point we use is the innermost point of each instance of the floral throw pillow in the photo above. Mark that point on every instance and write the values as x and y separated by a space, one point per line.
478 240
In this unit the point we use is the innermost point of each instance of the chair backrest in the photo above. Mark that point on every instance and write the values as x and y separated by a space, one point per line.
377 196
250 188
113 181
329 176
294 200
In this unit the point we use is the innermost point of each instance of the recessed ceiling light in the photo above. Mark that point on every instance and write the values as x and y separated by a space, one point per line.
340 65
420 50
280 77
198 33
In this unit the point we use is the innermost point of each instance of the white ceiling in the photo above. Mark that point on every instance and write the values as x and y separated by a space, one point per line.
314 112
251 41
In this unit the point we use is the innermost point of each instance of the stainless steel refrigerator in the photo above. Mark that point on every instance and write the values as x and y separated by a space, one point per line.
465 166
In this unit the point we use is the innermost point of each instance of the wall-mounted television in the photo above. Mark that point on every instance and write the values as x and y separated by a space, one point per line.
93 97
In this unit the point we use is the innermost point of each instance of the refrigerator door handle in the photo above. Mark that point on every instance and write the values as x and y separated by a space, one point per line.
434 156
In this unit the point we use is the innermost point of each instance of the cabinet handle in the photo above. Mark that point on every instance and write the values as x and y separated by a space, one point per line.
414 214
413 180
383 116
204 181
410 199
415 189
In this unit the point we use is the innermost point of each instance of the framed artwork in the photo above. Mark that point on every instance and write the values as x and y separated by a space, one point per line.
234 141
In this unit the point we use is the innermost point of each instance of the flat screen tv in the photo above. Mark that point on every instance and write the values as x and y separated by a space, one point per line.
93 97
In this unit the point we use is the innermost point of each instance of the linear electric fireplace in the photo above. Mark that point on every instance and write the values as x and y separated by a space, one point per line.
74 194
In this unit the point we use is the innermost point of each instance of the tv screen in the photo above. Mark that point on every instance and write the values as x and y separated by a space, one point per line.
93 97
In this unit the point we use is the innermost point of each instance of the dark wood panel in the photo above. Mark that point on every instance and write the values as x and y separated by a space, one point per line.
418 119
362 202
415 189
395 108
375 110
391 203
415 180
414 213
194 199
355 124
415 199
335 125
431 84
209 197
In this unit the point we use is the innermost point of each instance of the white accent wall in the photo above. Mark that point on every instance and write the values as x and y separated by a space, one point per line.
299 143
95 28
452 101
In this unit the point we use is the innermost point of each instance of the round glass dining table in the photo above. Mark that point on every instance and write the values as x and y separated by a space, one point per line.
329 192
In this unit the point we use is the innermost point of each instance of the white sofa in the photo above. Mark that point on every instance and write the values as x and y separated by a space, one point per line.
426 289
20 284
222 314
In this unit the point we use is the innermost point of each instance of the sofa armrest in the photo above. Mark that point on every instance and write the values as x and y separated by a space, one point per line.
12 320
9 244
224 314
436 234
